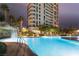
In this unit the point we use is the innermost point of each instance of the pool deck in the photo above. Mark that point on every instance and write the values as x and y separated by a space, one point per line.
13 49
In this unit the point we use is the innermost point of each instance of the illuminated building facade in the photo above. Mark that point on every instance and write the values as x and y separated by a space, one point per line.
42 14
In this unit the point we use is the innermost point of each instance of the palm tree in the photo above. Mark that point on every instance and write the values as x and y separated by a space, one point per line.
19 24
20 21
5 11
44 28
2 18
12 20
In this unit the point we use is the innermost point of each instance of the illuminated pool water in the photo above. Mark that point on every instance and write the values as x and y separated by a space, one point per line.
53 46
50 46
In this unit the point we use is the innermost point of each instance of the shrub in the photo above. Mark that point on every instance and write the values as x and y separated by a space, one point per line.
3 48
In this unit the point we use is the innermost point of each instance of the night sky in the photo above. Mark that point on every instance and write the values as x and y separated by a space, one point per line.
68 13
19 9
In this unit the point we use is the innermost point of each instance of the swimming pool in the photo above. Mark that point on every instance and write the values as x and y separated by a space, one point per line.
50 46
53 46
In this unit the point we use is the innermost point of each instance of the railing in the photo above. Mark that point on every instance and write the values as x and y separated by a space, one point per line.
22 41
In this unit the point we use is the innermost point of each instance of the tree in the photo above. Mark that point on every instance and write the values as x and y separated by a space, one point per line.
49 28
20 21
5 11
12 20
2 18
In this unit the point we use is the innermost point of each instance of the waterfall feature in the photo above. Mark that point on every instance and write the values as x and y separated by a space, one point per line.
14 33
12 29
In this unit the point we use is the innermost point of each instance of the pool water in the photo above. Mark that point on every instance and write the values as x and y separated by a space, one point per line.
50 46
53 46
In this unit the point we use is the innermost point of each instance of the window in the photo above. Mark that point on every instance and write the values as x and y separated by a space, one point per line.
44 5
33 25
36 22
33 6
33 17
36 16
44 11
39 15
36 9
55 8
54 3
39 8
55 17
44 17
36 3
39 12
33 14
54 12
39 19
33 21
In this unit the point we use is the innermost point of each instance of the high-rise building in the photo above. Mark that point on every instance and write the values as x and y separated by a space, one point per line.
42 14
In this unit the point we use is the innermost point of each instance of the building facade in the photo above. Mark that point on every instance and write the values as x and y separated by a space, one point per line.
42 14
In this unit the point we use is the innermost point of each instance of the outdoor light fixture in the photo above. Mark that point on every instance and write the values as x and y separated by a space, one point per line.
24 29
77 30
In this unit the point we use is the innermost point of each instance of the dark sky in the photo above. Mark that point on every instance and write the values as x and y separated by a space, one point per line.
18 9
69 14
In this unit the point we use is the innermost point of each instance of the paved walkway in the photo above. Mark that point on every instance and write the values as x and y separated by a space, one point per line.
13 49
